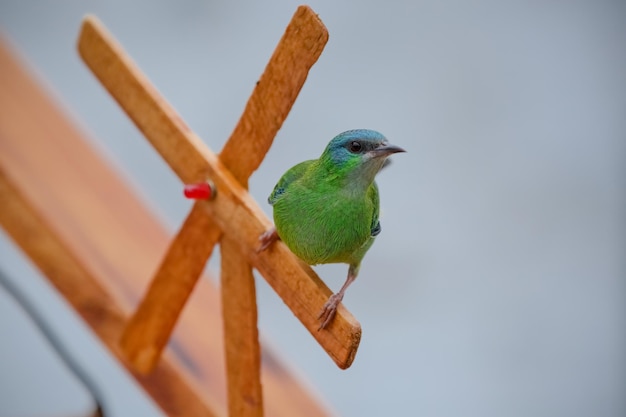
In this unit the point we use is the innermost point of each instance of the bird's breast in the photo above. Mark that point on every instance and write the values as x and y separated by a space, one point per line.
323 227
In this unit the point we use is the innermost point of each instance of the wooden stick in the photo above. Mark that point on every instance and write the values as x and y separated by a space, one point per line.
274 95
235 212
243 353
149 329
268 106
294 281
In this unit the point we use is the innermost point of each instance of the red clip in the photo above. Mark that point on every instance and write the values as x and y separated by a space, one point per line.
200 191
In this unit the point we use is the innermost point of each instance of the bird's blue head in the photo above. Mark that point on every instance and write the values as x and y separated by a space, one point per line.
358 154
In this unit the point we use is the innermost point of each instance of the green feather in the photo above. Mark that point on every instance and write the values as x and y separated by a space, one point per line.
320 218
326 210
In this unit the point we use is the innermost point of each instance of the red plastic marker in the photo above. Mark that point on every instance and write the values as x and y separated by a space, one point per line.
200 191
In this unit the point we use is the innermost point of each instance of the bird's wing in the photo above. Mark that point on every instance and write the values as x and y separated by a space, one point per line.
290 176
372 195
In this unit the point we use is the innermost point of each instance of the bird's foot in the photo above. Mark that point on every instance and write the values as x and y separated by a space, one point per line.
267 238
329 310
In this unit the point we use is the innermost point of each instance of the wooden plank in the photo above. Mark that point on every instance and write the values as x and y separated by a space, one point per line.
166 385
233 209
266 110
243 353
99 220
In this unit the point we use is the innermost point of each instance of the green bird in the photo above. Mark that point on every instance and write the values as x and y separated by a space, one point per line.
326 209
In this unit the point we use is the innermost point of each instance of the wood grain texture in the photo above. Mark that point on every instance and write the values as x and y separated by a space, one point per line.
233 209
99 244
151 326
274 95
243 353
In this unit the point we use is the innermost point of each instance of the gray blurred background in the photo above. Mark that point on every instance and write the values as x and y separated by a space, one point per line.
497 287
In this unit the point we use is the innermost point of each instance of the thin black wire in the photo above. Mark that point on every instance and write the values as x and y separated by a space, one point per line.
38 319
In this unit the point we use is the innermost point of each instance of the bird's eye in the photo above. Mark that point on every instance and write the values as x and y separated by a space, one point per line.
355 147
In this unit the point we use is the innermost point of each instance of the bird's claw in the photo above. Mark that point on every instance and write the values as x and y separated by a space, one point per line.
267 238
329 310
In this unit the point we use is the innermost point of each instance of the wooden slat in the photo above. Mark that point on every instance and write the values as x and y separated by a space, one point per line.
150 327
233 209
243 353
95 218
266 110
274 95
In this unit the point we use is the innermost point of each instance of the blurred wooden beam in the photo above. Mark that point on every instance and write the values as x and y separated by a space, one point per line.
81 289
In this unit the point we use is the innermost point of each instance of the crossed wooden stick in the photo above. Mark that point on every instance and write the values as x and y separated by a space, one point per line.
232 218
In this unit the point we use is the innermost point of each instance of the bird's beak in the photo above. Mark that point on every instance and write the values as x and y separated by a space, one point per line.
386 149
